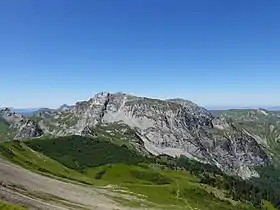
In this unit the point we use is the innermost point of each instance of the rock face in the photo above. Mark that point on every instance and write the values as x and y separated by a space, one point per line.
45 113
262 125
20 127
174 127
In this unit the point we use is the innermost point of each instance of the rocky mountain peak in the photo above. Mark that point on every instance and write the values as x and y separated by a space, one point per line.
10 116
64 107
20 126
6 112
173 127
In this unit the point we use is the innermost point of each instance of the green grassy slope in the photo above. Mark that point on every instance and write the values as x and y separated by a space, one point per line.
4 129
101 162
165 188
115 163
17 152
8 206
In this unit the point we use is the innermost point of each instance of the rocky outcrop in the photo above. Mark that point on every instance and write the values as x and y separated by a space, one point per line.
64 108
260 124
45 113
173 127
28 129
20 126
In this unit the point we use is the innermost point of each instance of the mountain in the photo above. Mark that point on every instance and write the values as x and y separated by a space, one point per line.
26 112
18 126
173 127
64 107
173 147
263 125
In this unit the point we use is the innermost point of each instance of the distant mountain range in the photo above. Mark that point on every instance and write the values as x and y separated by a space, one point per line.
30 111
275 108
26 112
215 108
23 111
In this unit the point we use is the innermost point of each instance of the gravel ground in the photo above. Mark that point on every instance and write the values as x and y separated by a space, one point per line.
36 191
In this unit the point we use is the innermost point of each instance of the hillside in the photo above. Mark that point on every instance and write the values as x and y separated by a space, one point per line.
261 124
152 183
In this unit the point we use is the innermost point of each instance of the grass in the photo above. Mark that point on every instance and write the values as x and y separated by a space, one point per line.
131 174
179 190
267 206
17 152
4 129
35 118
7 206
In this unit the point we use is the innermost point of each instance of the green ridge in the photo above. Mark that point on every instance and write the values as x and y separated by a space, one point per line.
17 152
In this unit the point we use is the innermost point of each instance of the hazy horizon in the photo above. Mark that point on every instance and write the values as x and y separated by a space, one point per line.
207 106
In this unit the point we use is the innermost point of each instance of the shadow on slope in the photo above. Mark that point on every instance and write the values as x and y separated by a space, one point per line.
79 152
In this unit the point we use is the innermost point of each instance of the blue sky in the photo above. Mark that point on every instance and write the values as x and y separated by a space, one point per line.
216 53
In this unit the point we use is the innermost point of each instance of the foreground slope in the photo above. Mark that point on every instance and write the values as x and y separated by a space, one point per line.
37 191
7 206
132 182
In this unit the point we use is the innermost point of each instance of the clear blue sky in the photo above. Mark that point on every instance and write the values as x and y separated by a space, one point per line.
212 52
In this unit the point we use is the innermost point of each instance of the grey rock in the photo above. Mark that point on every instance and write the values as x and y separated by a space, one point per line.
87 131
45 113
173 127
64 108
20 126
28 129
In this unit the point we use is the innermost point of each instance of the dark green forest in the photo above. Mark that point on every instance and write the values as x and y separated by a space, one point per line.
79 153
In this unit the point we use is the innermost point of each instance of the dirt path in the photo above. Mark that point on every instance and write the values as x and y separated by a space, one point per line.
184 199
40 192
178 190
